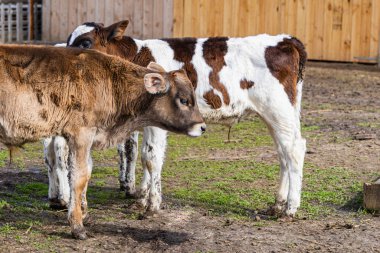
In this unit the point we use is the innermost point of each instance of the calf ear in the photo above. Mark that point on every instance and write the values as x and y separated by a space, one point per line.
155 67
116 31
155 83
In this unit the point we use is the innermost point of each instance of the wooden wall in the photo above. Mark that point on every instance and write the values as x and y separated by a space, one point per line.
149 18
339 30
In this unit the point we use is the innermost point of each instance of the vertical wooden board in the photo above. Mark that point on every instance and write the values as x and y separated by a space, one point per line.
375 30
328 30
291 17
100 11
73 14
356 29
82 12
128 8
187 14
309 35
195 19
261 18
365 32
227 17
10 24
202 18
252 17
281 16
137 19
63 12
242 18
235 22
55 20
346 31
217 19
301 19
316 42
270 16
108 12
336 36
178 18
168 22
91 10
46 11
118 12
19 22
147 19
157 24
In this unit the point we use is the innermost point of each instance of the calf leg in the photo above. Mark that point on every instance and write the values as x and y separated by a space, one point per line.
283 121
153 153
128 153
79 155
56 156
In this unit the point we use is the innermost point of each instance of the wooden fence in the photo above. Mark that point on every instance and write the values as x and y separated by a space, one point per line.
337 30
149 18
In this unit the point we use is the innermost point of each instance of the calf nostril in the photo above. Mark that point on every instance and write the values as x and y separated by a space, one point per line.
203 129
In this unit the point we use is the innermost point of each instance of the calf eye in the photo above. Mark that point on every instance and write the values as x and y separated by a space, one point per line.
85 44
184 101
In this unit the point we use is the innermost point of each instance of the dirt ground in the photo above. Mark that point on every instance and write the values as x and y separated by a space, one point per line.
342 100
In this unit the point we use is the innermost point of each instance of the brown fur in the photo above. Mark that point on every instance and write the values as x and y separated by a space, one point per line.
90 98
184 50
214 50
212 99
286 62
244 84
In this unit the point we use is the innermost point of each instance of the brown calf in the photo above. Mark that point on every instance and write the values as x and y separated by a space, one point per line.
91 99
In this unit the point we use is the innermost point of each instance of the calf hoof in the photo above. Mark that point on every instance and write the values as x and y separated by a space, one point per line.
151 214
130 195
57 204
79 233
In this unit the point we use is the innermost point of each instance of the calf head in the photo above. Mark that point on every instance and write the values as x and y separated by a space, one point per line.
92 35
174 107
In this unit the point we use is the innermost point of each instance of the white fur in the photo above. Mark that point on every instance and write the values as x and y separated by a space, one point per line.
82 29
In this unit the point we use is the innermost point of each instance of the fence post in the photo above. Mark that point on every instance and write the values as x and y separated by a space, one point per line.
2 21
19 22
31 20
9 23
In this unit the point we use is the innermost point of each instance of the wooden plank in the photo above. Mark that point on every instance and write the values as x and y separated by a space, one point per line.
227 17
118 11
46 14
2 22
365 32
19 30
137 31
73 13
147 19
178 18
375 29
328 30
63 25
243 16
252 20
128 8
346 31
291 17
100 11
91 10
9 13
81 15
195 19
168 22
108 12
356 29
187 15
336 36
157 20
301 19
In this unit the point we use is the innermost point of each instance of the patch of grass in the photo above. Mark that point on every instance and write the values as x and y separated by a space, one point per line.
369 124
35 189
101 172
4 204
6 229
3 157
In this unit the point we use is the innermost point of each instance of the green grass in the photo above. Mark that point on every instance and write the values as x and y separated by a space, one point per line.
222 177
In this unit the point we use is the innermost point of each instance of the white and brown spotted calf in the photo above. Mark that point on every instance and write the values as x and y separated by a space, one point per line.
231 76
92 100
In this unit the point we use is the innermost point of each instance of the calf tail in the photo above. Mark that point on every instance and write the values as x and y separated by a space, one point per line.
298 45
